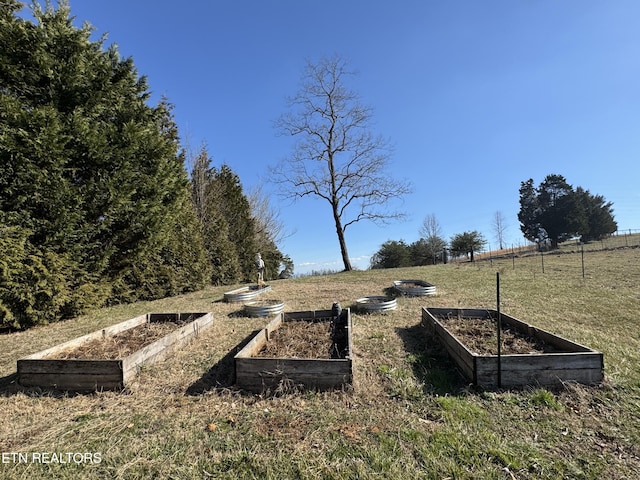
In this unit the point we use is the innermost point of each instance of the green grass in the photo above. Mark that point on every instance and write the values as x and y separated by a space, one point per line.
408 415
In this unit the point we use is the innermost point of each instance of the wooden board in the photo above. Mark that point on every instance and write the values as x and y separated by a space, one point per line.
38 370
575 362
257 374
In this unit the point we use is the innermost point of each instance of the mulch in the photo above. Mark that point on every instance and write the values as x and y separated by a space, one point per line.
299 339
480 336
120 345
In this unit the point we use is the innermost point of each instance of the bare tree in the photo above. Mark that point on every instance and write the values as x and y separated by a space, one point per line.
434 244
267 218
430 227
336 158
499 228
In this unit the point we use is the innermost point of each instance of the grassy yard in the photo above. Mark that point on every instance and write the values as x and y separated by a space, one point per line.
409 414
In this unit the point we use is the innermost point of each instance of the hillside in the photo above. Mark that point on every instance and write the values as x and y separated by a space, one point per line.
409 414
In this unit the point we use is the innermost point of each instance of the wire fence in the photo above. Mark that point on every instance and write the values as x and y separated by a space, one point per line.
571 256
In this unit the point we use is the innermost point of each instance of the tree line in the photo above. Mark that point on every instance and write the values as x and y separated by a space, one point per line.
430 249
96 204
549 214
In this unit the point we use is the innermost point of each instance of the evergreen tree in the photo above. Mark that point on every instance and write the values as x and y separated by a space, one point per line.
467 243
235 209
559 212
556 212
208 200
392 254
88 169
599 221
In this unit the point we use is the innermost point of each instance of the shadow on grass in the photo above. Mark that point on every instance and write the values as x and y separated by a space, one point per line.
9 384
430 362
222 375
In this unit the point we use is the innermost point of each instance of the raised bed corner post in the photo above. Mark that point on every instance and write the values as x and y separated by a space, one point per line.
499 330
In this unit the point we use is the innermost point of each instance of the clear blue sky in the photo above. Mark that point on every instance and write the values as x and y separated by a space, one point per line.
476 96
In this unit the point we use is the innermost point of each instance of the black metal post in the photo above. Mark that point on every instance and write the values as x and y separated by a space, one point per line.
499 330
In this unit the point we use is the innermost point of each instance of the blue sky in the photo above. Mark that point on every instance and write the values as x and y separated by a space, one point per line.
475 96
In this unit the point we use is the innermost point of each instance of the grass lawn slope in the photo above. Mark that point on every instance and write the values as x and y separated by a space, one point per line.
409 414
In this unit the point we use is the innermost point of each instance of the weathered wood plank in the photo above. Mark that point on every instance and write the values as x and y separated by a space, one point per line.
550 361
76 382
71 366
511 378
295 370
295 365
309 315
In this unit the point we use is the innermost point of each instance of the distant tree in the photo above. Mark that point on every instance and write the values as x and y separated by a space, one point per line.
467 243
499 228
337 158
392 254
434 245
419 253
555 212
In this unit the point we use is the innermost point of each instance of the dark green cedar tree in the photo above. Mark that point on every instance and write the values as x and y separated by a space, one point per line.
93 187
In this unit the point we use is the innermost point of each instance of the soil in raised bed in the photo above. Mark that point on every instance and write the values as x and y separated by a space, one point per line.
480 336
300 339
119 345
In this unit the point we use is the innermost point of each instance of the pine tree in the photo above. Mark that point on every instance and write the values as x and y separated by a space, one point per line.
90 173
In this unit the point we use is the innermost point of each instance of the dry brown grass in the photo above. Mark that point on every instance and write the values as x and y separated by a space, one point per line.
301 339
409 414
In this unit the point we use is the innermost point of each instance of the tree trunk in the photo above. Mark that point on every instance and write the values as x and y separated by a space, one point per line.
341 239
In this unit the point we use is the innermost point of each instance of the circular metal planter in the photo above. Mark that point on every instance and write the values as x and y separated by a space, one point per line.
376 304
244 294
414 288
264 308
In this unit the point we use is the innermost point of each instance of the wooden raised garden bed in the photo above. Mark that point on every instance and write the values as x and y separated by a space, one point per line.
310 349
529 355
108 359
